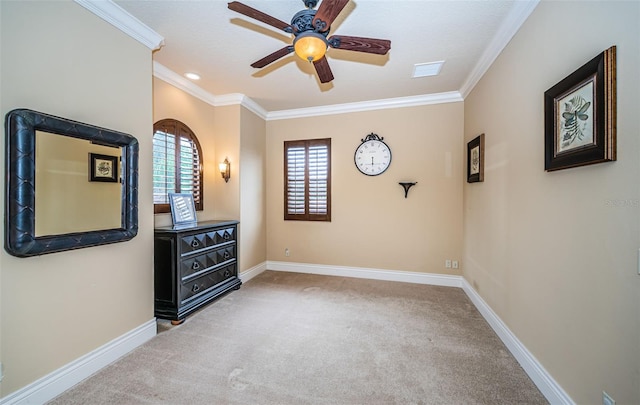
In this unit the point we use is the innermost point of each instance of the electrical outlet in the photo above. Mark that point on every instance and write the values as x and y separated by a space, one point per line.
447 264
607 400
455 264
286 252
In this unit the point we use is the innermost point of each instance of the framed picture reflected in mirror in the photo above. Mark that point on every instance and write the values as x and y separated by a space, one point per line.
103 168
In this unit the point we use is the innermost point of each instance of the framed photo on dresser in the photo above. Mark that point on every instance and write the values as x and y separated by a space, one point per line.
183 209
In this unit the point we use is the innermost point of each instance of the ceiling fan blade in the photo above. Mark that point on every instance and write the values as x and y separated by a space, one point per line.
360 44
323 70
327 12
272 57
259 15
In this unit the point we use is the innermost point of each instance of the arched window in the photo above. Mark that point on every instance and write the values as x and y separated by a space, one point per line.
177 164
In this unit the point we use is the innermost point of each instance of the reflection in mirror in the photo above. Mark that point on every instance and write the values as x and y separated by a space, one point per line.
54 201
66 200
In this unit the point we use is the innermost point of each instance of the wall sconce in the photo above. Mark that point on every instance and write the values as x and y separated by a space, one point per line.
225 170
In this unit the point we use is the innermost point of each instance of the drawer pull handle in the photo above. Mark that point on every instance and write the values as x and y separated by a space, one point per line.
195 288
227 273
195 266
195 243
226 236
226 255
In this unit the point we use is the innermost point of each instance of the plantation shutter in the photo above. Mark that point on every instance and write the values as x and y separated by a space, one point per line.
164 167
296 183
318 179
176 164
308 180
189 168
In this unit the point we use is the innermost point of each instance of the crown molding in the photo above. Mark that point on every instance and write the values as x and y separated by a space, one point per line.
246 102
125 22
518 14
165 74
399 102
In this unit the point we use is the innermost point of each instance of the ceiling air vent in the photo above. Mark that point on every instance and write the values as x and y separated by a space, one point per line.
427 69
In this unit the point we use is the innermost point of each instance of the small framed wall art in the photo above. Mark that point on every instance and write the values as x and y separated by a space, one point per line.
103 168
475 159
580 115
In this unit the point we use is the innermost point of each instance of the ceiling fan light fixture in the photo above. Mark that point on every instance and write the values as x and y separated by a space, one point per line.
310 46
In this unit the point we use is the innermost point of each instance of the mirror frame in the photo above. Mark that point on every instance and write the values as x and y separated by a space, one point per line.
20 187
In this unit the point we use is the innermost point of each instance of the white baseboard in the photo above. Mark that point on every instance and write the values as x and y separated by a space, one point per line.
252 272
540 377
362 272
60 380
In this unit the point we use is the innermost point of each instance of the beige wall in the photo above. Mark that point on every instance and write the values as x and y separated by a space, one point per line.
556 254
253 194
373 225
218 131
227 130
60 59
231 132
170 102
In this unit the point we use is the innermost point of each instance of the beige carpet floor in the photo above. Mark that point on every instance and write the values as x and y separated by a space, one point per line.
290 338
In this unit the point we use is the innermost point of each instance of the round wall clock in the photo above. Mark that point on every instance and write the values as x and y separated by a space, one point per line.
373 156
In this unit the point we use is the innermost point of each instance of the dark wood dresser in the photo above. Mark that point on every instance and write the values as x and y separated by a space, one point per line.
194 265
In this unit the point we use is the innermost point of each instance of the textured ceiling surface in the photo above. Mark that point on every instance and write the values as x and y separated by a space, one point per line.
207 38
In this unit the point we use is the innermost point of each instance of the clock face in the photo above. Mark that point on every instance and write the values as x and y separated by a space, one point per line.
372 157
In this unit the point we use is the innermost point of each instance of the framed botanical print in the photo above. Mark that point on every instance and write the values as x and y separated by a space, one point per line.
580 115
475 159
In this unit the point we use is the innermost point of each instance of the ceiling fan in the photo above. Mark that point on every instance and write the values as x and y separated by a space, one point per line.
310 29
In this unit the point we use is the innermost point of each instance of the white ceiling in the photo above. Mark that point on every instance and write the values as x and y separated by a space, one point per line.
207 38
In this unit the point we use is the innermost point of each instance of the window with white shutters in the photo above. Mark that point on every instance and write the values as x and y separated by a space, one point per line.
177 165
307 177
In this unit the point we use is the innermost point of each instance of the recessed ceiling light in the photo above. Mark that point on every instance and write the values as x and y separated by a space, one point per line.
192 76
427 69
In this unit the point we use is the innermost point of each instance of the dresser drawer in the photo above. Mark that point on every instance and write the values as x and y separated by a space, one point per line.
202 285
220 236
193 243
193 266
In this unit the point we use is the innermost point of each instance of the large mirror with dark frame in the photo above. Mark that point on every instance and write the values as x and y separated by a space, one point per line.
68 185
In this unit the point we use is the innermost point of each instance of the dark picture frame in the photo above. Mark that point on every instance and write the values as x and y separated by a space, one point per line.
183 209
103 168
475 159
580 115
